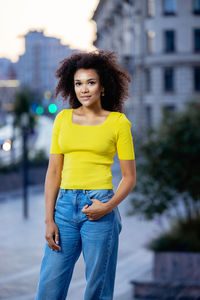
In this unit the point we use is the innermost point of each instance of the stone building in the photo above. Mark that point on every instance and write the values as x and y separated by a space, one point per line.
8 89
159 43
115 32
166 57
36 67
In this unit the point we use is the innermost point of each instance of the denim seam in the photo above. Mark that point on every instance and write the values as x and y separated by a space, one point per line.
107 261
64 297
118 220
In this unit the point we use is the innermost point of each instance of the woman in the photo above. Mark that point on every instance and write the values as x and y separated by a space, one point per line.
85 139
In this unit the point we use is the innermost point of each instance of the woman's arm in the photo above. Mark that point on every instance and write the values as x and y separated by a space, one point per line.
126 185
52 184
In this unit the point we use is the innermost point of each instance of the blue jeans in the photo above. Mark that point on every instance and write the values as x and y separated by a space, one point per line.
97 239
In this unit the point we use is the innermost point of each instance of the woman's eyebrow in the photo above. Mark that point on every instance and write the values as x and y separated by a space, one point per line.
87 80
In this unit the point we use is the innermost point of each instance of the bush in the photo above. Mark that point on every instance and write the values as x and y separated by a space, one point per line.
170 167
14 167
39 159
184 236
168 178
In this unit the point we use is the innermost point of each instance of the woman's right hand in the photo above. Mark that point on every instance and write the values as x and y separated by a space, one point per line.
52 235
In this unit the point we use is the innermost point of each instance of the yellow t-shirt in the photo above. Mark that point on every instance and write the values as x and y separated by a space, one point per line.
89 149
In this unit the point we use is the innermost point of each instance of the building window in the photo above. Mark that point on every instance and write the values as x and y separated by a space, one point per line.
169 7
169 79
197 79
196 40
169 40
150 8
147 79
148 112
196 7
150 41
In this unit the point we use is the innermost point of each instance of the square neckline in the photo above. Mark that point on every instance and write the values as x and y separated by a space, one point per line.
88 125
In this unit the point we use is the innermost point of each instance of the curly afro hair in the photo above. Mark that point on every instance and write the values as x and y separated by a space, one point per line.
113 78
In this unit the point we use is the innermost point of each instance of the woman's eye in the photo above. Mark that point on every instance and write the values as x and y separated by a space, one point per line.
79 83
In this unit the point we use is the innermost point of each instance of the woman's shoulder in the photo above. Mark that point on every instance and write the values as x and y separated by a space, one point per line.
116 114
60 117
120 116
63 113
122 119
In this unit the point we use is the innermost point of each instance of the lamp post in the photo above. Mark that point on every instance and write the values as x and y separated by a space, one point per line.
24 126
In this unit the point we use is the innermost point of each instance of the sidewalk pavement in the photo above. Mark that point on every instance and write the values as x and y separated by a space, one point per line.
22 245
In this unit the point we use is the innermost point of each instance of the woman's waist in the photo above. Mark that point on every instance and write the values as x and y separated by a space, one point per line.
79 168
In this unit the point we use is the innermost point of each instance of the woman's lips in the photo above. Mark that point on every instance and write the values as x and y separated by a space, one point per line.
85 97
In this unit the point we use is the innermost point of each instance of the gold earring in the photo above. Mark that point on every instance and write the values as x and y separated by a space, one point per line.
102 94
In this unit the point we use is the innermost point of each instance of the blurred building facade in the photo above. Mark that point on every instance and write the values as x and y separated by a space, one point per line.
114 21
6 68
36 67
166 57
8 89
164 46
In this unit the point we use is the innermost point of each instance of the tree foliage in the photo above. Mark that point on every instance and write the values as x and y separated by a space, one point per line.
22 105
168 176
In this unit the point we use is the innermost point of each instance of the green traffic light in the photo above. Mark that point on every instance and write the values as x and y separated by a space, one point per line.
39 110
52 108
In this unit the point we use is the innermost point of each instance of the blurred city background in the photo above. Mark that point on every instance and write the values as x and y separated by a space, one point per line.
158 43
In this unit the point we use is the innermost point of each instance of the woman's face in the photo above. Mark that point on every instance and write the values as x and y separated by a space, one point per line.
87 86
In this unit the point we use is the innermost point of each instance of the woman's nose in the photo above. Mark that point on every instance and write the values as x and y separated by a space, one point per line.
84 88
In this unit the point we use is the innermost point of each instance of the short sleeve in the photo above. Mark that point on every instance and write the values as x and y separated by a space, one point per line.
125 148
55 148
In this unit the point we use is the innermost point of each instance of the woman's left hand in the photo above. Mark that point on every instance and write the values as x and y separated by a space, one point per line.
95 211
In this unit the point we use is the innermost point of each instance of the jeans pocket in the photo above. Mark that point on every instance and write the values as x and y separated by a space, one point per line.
61 193
60 196
105 197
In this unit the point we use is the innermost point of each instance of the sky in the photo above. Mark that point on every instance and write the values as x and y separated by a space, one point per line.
68 20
